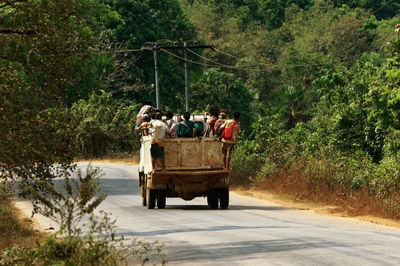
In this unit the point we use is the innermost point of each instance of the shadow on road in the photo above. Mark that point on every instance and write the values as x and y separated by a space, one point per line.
115 186
231 208
230 251
194 229
110 186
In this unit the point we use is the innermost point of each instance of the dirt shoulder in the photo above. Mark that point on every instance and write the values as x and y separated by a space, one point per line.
16 228
313 208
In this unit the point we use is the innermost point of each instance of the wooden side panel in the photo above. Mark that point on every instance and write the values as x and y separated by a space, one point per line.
171 154
191 154
212 154
184 154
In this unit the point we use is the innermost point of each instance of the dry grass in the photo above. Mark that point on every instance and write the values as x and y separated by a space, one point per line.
15 228
293 185
134 160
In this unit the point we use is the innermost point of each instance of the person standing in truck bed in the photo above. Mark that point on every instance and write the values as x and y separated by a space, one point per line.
147 109
172 125
218 124
211 123
158 131
187 128
231 131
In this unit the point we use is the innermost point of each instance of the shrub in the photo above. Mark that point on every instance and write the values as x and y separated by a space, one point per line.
76 242
105 127
246 162
386 184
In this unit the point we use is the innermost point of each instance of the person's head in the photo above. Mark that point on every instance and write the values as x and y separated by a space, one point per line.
146 118
186 115
158 115
214 111
236 116
222 116
169 115
148 103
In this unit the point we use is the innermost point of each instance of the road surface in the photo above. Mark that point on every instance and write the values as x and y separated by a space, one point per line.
250 232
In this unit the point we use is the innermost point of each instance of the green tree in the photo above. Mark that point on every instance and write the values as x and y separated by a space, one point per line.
144 23
224 90
41 44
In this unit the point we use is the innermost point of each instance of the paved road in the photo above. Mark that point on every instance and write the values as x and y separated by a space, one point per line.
250 232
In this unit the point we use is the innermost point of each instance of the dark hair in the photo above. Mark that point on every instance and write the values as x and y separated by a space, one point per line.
214 111
146 118
236 115
169 114
158 115
148 103
186 115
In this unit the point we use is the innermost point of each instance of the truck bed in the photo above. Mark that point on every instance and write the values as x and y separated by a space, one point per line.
194 154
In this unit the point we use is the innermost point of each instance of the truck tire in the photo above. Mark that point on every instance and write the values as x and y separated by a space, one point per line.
151 198
161 199
212 199
224 198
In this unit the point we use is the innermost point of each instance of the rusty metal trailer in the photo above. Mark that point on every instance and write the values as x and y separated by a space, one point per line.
193 168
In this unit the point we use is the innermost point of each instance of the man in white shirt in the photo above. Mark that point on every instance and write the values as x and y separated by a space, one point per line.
172 125
158 131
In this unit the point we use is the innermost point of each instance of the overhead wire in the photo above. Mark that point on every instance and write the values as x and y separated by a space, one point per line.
378 9
270 67
215 62
203 64
187 60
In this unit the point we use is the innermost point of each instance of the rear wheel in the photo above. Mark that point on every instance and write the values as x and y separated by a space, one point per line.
212 199
161 199
151 198
224 198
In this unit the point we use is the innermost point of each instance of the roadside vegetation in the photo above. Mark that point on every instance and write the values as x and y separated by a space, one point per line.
317 83
325 112
15 229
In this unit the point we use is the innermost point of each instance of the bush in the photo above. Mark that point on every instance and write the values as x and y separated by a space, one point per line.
386 184
72 245
105 127
246 162
98 247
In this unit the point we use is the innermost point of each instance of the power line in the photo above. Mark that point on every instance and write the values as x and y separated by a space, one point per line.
203 64
225 53
188 60
270 67
222 65
373 12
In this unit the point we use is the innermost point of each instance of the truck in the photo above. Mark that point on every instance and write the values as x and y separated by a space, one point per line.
193 168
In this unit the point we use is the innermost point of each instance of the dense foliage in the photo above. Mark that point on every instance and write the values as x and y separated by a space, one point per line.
325 79
106 127
317 82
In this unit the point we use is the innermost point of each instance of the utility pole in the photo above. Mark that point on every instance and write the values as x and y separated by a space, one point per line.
186 78
155 48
